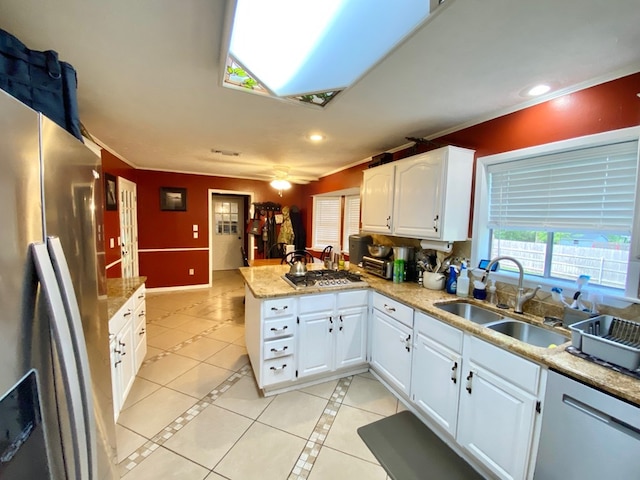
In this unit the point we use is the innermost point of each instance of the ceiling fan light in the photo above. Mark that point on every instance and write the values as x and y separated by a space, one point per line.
280 184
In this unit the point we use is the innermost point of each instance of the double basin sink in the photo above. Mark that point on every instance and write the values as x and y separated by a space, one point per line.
525 332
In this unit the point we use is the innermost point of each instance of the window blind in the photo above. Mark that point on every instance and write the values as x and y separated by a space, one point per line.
326 221
590 189
351 221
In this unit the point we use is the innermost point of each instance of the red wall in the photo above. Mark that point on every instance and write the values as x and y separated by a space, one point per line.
609 106
174 230
116 167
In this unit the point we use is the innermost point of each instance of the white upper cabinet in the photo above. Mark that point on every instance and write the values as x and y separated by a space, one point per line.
430 197
377 199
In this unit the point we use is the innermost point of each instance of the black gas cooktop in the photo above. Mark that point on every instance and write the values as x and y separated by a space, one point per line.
324 279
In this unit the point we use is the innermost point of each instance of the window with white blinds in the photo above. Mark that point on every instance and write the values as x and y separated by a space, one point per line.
326 221
351 220
586 190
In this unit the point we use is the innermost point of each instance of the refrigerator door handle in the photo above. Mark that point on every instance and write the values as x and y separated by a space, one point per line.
64 348
63 276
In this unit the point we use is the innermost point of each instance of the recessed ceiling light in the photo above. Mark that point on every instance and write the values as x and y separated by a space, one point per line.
316 137
538 90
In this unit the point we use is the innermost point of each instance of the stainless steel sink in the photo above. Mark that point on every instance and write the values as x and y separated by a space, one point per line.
528 333
470 312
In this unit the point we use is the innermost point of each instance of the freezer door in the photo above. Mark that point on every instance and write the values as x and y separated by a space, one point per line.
73 205
25 343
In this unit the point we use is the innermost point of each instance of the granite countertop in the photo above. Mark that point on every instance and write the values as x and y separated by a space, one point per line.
267 282
119 290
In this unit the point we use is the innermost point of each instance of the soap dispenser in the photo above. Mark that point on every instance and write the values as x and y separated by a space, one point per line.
462 288
493 296
452 283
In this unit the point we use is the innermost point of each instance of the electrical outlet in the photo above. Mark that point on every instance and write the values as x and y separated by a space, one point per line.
195 234
191 271
195 228
111 243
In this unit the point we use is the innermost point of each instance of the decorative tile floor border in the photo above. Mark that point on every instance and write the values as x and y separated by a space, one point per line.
309 454
174 427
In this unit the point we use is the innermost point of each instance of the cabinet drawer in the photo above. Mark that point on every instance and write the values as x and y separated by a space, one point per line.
278 348
121 318
502 363
442 333
281 327
356 298
139 297
316 303
278 307
394 309
277 370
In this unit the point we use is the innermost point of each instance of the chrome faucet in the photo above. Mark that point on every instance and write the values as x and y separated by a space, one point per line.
521 297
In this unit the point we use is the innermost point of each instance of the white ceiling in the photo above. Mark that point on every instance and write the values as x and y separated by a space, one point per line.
150 82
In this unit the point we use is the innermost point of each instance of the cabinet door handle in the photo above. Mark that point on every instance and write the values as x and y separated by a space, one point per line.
388 308
454 372
273 329
127 314
389 222
117 363
141 295
141 314
275 350
435 223
284 365
341 322
331 323
280 309
407 343
469 378
142 332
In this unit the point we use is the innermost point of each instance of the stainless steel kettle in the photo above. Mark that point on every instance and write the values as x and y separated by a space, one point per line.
298 267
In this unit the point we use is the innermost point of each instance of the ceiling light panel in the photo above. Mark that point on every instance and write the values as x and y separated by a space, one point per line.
295 47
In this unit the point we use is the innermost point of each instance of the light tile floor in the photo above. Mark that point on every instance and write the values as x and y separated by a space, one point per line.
195 412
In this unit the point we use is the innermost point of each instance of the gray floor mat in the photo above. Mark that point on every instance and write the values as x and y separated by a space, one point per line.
409 450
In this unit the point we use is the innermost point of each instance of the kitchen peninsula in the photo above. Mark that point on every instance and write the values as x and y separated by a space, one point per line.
481 390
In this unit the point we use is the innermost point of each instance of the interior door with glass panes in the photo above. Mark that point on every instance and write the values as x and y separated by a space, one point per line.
128 227
228 232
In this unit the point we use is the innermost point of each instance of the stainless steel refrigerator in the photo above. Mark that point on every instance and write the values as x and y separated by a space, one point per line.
56 412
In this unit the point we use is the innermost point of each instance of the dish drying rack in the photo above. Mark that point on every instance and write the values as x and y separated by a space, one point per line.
611 339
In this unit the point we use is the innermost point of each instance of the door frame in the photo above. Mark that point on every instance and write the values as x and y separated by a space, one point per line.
249 238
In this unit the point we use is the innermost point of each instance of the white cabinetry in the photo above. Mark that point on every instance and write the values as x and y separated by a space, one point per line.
128 346
498 408
332 331
436 370
270 327
391 341
423 196
377 198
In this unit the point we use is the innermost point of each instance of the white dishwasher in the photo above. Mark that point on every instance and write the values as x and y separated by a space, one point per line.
587 434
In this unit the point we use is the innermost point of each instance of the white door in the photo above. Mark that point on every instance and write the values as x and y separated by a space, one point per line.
496 422
435 381
228 232
391 350
377 199
128 227
351 337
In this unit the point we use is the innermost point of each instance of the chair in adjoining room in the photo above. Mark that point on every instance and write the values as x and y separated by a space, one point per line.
298 254
277 250
326 252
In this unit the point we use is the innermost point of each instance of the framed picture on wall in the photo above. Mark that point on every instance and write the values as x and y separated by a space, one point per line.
110 192
173 199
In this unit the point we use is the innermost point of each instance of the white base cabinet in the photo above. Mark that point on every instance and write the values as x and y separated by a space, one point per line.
497 416
128 345
391 341
436 371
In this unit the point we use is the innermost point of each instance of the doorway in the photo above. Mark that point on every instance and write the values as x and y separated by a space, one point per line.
128 227
227 229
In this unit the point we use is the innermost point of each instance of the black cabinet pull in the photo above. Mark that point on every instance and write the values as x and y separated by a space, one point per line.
454 372
469 378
